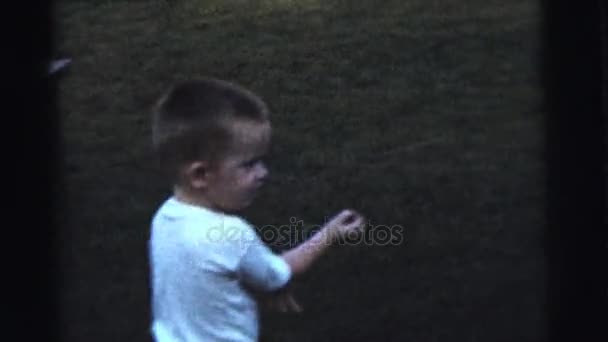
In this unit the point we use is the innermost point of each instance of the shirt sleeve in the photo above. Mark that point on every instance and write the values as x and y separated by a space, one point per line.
261 269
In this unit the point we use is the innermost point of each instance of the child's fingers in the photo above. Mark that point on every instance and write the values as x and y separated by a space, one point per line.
293 304
358 223
342 216
346 216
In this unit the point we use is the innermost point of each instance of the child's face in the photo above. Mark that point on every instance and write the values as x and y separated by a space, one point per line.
236 179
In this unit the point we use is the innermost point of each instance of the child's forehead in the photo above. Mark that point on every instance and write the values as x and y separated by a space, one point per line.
248 130
250 135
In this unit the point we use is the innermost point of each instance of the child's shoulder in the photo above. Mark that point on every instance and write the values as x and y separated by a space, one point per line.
204 219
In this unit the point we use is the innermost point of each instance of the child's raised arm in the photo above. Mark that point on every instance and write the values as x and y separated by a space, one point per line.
263 271
303 256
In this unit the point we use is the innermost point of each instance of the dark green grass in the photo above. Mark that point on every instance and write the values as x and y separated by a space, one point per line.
420 114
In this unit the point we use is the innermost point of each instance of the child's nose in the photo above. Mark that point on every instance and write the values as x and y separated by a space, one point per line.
262 171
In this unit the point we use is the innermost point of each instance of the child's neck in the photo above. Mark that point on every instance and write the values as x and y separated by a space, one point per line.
191 198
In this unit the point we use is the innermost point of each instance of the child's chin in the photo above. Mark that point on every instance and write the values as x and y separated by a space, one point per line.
240 206
247 203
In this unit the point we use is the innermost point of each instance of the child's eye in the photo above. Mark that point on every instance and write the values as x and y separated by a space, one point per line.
250 163
253 162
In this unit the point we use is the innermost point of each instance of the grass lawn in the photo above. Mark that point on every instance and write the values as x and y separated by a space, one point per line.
422 114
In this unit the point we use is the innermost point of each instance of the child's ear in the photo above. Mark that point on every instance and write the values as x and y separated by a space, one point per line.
198 174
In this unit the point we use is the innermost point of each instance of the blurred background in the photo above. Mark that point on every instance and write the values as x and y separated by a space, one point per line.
420 114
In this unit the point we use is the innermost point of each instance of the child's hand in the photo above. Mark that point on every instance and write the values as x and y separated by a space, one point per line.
283 302
344 224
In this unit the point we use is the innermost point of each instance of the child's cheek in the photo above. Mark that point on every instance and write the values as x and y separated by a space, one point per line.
243 178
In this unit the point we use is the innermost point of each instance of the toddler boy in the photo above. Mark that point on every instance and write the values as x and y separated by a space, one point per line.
207 263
